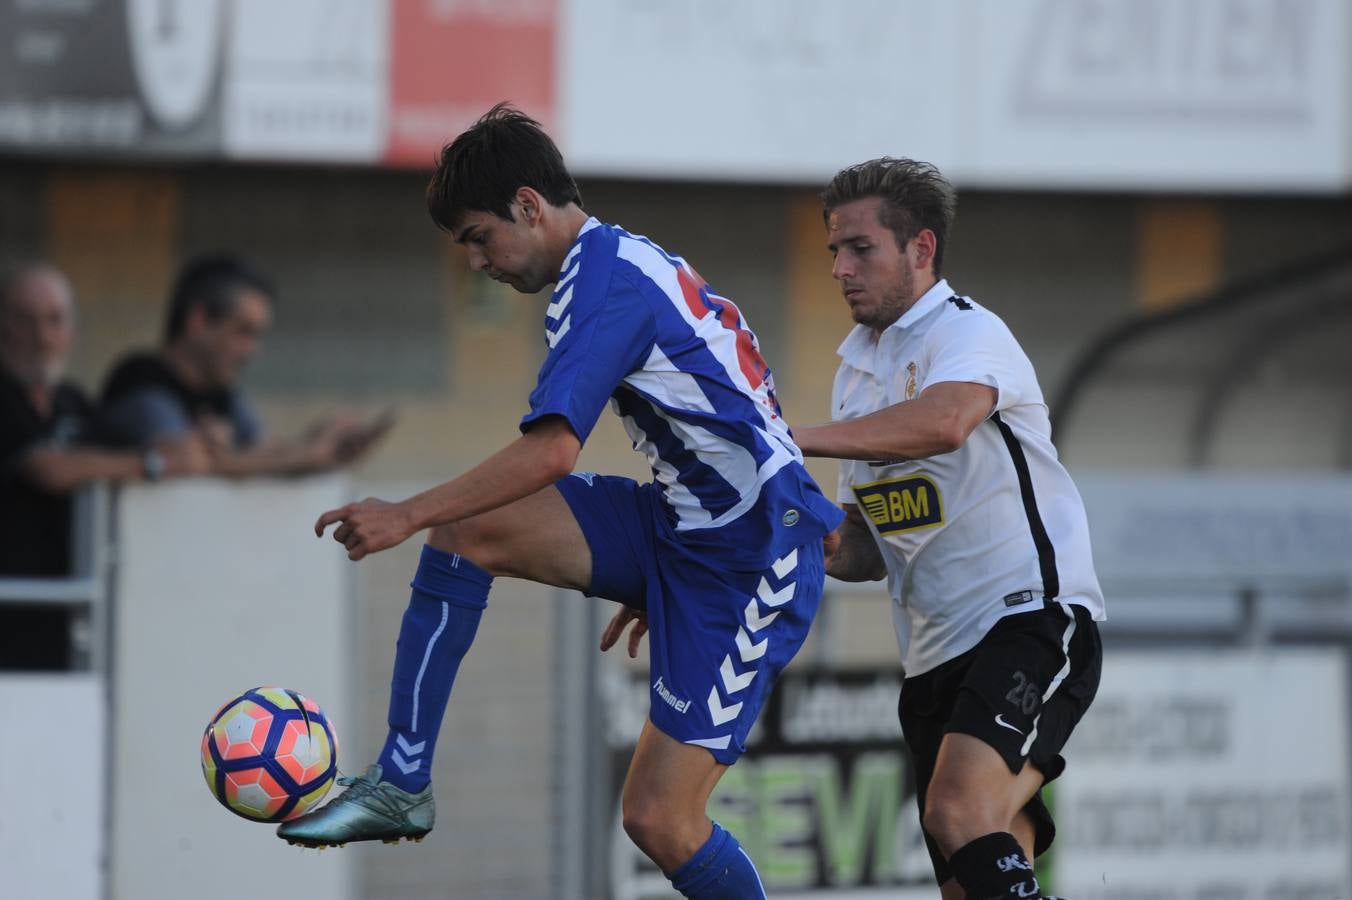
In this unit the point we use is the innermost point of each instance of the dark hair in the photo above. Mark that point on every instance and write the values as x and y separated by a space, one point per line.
213 283
915 197
483 168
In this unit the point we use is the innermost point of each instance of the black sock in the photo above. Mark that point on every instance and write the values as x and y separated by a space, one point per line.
993 867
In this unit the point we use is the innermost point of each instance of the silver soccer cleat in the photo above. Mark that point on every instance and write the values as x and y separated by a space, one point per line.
369 810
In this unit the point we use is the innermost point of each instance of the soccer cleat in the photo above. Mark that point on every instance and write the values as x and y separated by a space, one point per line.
369 810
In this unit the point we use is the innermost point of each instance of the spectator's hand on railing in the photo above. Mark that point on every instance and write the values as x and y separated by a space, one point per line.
185 455
340 440
322 444
360 437
216 434
329 443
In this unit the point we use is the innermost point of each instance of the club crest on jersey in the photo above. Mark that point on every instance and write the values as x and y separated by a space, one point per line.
901 504
910 380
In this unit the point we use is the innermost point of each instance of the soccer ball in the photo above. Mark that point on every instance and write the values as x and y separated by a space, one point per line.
269 754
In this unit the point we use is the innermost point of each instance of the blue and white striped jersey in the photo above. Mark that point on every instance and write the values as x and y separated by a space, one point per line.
633 325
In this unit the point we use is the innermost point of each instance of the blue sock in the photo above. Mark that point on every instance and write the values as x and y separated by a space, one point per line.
450 594
720 870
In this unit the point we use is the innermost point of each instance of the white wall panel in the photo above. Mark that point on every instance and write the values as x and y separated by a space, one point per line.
52 782
220 587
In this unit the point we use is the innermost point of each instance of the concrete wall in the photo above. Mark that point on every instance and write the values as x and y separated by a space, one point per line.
216 591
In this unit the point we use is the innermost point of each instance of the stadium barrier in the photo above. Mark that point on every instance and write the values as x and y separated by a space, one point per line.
195 591
52 742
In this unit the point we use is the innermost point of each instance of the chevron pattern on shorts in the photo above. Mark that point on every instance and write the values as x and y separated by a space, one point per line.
748 648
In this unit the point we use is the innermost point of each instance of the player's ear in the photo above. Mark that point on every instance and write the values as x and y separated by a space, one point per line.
531 205
922 247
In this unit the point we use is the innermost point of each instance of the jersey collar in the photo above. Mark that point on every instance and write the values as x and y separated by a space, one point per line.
858 346
928 301
592 222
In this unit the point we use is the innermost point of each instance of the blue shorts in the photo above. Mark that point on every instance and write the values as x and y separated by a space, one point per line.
717 638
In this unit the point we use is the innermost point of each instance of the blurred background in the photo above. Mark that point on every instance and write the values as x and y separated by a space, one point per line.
1153 195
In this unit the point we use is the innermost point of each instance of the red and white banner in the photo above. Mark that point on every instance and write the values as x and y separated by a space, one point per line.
451 60
1115 94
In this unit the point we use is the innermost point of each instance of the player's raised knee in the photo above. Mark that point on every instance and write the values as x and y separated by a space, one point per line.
468 538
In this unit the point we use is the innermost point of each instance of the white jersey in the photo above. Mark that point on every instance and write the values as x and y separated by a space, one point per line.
994 528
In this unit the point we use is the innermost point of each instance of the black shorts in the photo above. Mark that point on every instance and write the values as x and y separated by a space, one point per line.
1021 690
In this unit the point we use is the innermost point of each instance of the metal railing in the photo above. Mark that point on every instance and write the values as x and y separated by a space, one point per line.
85 591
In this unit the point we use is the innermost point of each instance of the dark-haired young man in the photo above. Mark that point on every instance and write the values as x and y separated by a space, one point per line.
720 556
953 491
218 312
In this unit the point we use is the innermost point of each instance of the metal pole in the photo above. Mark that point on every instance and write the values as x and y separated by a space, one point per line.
572 694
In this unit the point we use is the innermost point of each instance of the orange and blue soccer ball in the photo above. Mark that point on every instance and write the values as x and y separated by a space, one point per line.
269 754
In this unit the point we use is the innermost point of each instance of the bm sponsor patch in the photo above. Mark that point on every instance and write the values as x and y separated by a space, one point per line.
901 504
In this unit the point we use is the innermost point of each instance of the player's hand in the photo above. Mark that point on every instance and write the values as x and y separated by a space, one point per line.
617 625
367 527
830 544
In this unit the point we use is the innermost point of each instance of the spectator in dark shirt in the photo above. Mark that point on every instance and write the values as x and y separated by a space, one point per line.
219 311
45 453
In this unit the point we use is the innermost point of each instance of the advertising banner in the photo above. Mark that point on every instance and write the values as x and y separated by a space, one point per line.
1196 775
823 801
1207 775
1192 94
451 60
761 89
1229 95
305 80
140 77
1238 95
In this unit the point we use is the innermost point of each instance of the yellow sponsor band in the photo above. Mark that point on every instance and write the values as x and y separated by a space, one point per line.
901 504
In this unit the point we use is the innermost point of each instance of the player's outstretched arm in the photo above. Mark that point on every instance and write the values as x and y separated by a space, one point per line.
851 552
531 463
938 421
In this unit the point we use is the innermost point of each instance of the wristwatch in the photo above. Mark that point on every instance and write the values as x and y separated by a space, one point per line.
153 465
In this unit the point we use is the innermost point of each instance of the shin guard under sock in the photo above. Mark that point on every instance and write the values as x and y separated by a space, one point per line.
449 596
720 870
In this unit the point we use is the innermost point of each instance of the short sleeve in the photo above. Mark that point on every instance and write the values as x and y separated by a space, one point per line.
142 417
975 346
845 482
248 426
601 329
